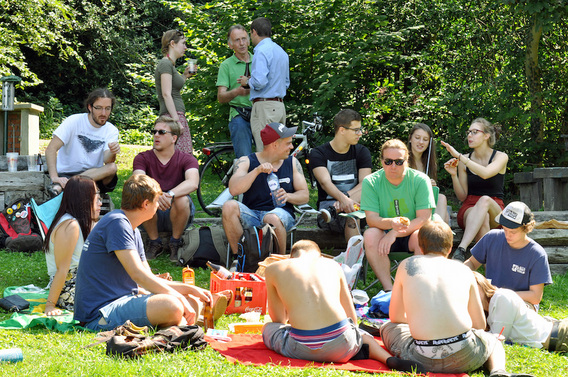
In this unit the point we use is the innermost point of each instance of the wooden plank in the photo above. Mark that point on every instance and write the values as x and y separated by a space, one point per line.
22 181
557 254
556 172
558 269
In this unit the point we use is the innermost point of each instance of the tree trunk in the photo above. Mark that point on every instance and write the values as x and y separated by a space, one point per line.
534 75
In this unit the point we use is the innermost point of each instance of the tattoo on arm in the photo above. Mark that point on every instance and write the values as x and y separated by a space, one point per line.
299 167
237 164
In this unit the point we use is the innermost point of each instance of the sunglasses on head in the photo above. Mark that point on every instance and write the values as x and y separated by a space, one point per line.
161 132
389 161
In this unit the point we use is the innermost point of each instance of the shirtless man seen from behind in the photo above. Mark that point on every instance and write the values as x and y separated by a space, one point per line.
313 313
436 313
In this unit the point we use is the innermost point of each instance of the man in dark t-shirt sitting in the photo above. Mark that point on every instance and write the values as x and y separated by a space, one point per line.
340 167
178 176
250 179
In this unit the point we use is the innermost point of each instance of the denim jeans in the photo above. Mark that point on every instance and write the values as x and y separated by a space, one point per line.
241 136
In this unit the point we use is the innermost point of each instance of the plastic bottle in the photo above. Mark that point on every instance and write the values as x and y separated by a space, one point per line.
274 186
221 271
208 316
188 276
12 355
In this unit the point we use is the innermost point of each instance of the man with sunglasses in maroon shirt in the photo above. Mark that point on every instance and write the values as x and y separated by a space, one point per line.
178 175
397 201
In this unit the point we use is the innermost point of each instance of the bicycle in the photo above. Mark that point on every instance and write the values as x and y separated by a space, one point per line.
215 173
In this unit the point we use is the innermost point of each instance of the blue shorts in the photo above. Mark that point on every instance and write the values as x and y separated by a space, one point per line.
129 307
253 217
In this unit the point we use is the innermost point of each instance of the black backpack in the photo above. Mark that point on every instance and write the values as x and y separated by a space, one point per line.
255 245
203 244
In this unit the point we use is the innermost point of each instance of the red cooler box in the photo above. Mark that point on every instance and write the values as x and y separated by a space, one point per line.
249 292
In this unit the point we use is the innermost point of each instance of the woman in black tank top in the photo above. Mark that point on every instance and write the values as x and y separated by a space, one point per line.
478 179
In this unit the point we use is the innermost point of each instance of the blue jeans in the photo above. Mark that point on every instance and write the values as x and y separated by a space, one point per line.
241 136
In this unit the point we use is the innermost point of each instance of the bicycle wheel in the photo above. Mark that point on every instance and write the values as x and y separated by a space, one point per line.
214 179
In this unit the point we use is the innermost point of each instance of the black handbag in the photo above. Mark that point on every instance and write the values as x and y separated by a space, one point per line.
14 303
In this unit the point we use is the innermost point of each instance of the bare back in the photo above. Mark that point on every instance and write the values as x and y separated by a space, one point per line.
439 297
310 292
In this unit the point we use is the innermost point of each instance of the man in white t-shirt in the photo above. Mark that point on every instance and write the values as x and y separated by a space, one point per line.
85 144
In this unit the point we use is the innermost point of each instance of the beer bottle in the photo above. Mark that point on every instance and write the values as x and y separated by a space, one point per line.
238 297
221 271
188 276
208 322
248 295
247 74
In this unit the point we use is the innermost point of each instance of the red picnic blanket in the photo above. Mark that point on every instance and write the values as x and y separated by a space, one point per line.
249 349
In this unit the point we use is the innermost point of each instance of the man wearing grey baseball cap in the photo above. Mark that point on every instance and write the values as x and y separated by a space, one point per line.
251 179
512 259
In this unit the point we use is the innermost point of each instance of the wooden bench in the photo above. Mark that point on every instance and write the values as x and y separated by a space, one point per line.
554 241
544 188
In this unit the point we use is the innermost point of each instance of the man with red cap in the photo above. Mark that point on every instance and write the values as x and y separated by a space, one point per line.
250 179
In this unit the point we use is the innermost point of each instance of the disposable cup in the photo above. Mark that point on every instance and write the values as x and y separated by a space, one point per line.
12 158
32 162
192 64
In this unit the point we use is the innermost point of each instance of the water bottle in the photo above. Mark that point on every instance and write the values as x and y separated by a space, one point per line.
274 186
12 355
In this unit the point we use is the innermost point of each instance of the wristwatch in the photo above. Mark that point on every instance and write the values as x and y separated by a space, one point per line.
171 193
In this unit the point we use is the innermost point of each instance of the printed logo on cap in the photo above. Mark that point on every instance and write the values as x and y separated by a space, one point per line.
281 128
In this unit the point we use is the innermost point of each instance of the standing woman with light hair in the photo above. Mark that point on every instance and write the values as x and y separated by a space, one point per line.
422 157
169 84
478 179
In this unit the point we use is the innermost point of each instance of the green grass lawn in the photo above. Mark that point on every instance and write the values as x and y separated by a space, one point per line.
53 354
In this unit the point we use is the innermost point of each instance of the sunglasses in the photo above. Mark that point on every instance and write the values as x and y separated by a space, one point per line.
389 161
161 132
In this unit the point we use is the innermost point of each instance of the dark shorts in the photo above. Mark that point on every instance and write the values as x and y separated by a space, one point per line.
401 245
102 187
469 202
336 225
165 222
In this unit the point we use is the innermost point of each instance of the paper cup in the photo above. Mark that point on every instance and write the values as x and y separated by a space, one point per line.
12 159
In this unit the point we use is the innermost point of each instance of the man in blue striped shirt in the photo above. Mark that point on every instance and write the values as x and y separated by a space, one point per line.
270 77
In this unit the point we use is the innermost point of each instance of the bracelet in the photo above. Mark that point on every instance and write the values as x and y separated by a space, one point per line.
51 302
459 157
466 162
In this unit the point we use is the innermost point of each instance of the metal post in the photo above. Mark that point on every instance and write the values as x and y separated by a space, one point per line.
8 94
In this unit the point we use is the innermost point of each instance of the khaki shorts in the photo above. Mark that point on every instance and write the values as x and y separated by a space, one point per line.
460 357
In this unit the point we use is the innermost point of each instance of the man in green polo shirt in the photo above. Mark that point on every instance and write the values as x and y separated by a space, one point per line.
230 91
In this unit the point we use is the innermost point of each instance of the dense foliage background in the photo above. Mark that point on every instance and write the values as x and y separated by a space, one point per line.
442 62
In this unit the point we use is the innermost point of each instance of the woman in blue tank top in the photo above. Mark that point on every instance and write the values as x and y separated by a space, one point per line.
478 179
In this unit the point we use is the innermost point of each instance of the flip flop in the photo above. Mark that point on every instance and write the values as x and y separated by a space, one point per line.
221 303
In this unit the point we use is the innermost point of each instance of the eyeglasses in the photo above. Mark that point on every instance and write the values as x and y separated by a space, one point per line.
356 130
389 161
473 132
99 108
161 132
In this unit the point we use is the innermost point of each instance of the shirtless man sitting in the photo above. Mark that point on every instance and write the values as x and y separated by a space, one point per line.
310 293
436 313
